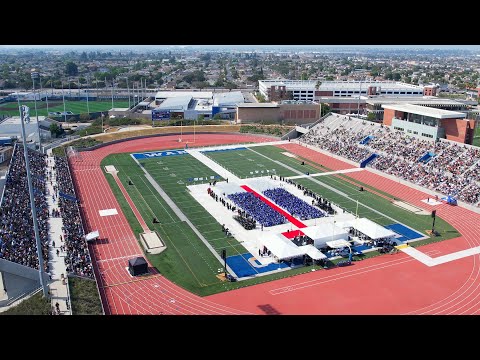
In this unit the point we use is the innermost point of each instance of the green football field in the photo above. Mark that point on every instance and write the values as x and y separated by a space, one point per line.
187 261
76 107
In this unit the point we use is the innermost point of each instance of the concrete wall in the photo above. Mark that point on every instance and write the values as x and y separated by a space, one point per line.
388 115
20 270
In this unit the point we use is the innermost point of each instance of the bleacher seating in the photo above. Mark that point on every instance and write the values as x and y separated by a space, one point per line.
17 236
454 170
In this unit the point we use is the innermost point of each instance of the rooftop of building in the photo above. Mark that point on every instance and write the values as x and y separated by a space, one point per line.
257 105
192 94
298 102
426 111
228 98
343 85
424 100
176 103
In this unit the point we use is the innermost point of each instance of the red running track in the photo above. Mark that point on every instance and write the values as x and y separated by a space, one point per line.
120 293
389 284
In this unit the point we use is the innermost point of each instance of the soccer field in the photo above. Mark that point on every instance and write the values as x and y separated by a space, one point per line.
76 107
187 261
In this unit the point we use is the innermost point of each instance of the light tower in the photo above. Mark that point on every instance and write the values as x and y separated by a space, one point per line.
25 116
35 75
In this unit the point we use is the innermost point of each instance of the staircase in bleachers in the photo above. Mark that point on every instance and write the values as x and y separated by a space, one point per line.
426 157
367 160
366 140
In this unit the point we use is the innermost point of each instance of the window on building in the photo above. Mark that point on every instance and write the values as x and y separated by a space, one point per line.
415 132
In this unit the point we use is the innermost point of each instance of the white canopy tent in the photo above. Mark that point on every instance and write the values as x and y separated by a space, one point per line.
280 246
92 235
369 228
335 244
322 233
313 252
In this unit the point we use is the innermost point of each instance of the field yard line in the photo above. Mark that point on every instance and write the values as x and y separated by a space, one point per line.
213 165
326 173
332 189
181 215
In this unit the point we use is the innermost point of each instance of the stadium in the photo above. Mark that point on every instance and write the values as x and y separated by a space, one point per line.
351 217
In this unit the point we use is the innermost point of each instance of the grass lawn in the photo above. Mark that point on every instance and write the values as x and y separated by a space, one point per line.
187 261
348 200
84 297
476 138
76 107
35 305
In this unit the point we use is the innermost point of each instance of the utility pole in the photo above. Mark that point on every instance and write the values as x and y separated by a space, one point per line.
25 116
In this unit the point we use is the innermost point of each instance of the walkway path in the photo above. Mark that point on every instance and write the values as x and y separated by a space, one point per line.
56 264
326 173
427 260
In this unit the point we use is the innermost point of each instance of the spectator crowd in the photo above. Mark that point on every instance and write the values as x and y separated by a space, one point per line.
453 170
77 259
17 236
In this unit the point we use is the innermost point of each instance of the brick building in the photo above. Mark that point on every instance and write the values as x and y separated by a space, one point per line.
429 123
288 112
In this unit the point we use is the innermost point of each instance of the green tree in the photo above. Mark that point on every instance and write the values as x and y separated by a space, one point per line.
71 69
325 109
55 130
371 116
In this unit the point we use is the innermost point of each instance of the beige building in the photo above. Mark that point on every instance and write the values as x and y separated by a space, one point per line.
288 112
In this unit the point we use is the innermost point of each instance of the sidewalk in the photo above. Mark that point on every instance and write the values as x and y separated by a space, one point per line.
56 264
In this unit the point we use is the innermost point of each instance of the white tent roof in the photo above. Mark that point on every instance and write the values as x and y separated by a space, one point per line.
280 246
313 252
92 235
338 243
369 228
323 231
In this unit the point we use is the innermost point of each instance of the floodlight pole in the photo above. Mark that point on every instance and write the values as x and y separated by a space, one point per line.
32 205
41 89
128 90
358 103
88 84
64 110
112 94
34 74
